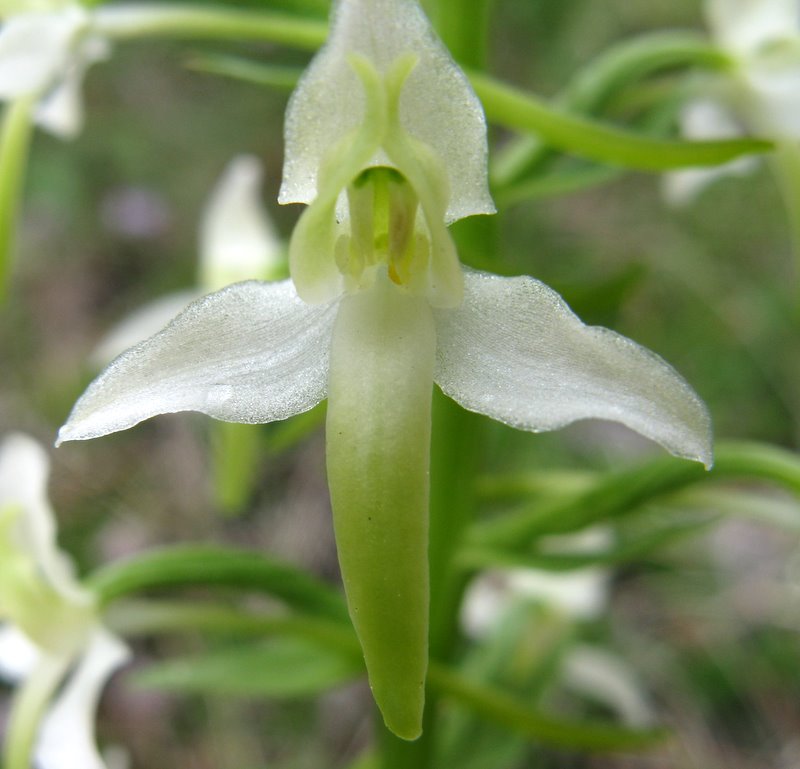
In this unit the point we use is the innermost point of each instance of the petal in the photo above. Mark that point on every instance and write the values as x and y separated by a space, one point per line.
66 737
253 352
705 119
378 449
312 262
237 239
579 594
61 111
582 593
35 50
18 654
606 678
772 84
140 325
745 25
515 352
24 468
438 106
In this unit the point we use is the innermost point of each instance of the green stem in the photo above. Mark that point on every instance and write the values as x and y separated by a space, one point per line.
234 461
122 22
786 167
462 25
455 449
14 143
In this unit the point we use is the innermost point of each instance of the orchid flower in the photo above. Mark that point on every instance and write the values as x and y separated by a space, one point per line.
237 242
760 92
52 632
579 595
46 46
386 143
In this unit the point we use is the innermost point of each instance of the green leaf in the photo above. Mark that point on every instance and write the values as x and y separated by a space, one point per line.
14 141
618 493
635 549
516 109
556 183
209 566
497 706
280 667
521 656
238 68
605 76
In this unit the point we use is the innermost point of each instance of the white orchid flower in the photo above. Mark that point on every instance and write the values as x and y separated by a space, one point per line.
386 142
760 93
45 50
578 595
52 633
237 242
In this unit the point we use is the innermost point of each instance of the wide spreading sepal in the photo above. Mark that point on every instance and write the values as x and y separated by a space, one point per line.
253 352
515 352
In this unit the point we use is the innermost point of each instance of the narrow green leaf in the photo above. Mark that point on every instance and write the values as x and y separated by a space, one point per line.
605 76
14 141
555 184
280 667
516 109
238 68
500 708
208 566
634 59
521 656
620 492
472 558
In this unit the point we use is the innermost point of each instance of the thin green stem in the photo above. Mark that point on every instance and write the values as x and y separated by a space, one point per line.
14 143
786 167
462 25
234 460
122 22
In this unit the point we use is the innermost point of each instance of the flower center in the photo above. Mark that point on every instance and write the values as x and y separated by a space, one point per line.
384 230
397 193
